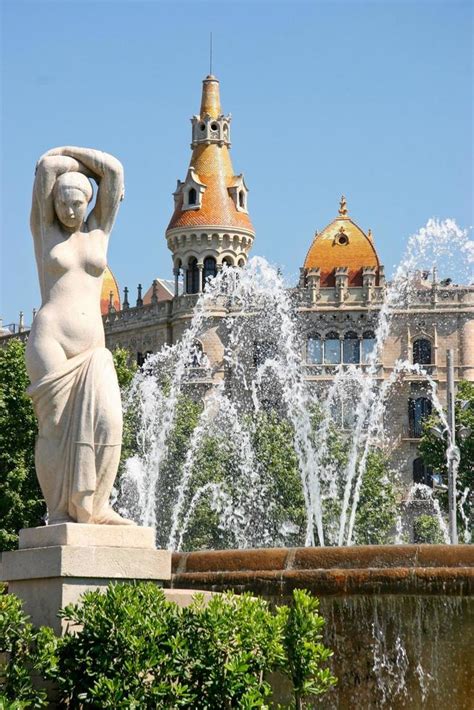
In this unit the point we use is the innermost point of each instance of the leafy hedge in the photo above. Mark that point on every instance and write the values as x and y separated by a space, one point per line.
131 648
19 657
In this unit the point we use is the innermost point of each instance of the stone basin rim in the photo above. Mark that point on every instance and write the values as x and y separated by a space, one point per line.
375 557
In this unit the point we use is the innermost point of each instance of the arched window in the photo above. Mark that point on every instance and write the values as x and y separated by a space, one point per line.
314 350
210 269
242 199
351 349
422 352
241 263
368 345
418 410
192 196
332 349
422 473
192 277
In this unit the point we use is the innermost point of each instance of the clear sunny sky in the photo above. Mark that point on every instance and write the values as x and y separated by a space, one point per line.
370 99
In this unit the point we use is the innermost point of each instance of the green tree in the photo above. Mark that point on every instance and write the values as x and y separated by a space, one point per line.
433 451
124 367
426 530
376 510
21 502
273 442
126 370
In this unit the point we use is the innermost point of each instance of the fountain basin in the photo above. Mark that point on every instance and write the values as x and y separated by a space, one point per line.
399 618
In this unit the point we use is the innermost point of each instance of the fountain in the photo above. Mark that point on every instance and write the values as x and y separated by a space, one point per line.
268 374
383 603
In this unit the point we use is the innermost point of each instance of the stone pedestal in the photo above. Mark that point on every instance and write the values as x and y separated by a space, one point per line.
55 564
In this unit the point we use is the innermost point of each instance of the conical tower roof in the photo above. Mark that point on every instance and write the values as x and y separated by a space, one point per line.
211 166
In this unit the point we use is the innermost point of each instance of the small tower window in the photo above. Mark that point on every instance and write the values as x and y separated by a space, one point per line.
192 277
238 191
210 268
192 196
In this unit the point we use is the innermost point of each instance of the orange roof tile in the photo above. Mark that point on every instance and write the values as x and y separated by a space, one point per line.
327 253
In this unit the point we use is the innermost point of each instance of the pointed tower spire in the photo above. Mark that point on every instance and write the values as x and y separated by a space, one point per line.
210 101
211 216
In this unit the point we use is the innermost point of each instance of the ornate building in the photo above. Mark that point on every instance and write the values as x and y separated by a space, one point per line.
337 299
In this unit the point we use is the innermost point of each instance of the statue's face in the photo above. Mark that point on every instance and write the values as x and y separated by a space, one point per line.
71 206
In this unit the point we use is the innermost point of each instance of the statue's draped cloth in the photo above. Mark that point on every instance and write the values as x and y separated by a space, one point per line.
79 407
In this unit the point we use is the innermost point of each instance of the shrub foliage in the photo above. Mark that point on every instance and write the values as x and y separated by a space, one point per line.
131 648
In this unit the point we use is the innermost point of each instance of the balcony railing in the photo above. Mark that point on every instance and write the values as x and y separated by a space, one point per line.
328 370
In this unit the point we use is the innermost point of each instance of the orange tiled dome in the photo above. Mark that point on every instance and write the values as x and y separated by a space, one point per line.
213 166
342 243
109 284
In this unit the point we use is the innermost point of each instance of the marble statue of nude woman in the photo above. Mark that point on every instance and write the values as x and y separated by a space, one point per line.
73 381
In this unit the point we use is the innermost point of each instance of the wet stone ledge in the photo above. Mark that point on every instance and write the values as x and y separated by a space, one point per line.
385 569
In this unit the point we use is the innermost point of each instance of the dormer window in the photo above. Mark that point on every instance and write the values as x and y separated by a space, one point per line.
238 191
192 190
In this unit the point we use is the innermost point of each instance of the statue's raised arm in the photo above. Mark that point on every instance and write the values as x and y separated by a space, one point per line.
73 381
107 171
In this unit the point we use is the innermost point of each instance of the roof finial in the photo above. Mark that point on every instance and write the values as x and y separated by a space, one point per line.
343 207
210 54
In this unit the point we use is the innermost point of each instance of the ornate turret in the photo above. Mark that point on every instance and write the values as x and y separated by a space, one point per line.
210 225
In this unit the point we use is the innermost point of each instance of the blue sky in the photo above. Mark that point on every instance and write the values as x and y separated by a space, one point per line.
370 99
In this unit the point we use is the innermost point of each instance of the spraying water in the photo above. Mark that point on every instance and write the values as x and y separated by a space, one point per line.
264 369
